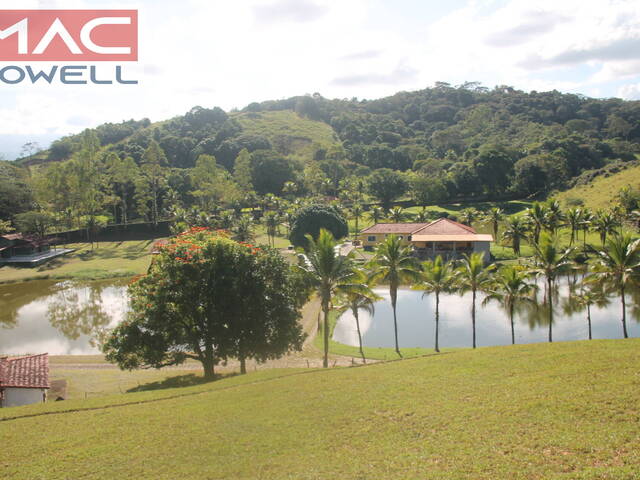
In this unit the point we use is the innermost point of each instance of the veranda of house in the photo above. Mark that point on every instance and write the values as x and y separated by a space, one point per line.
447 238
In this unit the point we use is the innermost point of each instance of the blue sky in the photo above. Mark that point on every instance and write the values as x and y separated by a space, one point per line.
230 53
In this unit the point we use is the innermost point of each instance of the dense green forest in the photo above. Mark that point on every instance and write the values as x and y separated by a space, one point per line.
440 144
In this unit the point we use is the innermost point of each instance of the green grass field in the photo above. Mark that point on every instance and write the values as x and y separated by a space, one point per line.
287 131
602 191
106 260
545 411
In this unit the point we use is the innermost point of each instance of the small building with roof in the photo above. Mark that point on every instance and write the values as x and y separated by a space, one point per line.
445 237
22 250
24 380
375 234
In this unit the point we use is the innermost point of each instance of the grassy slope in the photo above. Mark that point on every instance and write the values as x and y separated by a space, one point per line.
301 131
566 410
602 191
106 260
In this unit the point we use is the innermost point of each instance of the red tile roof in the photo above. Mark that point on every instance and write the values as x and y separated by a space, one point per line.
444 226
404 228
25 372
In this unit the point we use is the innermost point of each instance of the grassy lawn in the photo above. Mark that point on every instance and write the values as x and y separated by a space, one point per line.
106 260
261 238
545 411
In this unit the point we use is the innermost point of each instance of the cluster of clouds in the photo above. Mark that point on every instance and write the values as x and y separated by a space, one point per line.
198 52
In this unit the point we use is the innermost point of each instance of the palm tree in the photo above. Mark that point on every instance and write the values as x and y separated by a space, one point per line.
472 276
357 211
515 231
574 222
616 264
585 225
494 217
330 273
356 300
554 217
271 221
510 287
288 218
586 299
394 264
422 216
397 214
437 277
550 261
536 216
242 231
605 223
468 216
376 214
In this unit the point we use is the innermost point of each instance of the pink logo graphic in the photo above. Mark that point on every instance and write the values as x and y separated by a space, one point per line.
69 35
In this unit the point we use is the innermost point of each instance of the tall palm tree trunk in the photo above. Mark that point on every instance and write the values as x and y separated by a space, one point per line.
550 300
394 294
325 334
624 313
513 331
437 319
355 314
473 317
589 319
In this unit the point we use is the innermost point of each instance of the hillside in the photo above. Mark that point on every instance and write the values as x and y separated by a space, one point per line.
600 191
288 132
439 145
565 410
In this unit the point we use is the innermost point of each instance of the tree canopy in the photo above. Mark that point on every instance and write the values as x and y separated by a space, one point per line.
208 298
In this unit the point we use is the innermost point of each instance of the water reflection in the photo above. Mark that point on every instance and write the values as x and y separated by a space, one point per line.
58 317
416 319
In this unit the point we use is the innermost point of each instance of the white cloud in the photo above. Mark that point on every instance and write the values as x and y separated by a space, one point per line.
629 92
211 53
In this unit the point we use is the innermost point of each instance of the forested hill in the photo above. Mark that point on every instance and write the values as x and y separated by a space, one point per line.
446 142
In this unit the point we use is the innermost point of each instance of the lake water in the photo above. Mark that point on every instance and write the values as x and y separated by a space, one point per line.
416 322
66 318
59 317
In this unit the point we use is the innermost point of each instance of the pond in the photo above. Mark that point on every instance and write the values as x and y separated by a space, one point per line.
416 321
59 317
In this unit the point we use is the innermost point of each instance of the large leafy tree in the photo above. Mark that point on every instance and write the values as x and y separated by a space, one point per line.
152 179
472 275
208 298
311 219
394 264
437 277
385 185
15 194
616 265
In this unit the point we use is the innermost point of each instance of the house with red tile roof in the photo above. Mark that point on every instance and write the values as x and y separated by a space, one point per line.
24 380
447 238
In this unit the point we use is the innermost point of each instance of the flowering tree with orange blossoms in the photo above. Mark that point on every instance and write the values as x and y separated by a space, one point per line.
209 298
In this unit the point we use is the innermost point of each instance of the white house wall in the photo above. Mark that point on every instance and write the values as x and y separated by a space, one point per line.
15 397
482 247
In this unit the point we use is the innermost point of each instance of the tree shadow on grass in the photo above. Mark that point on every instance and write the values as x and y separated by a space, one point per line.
180 381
